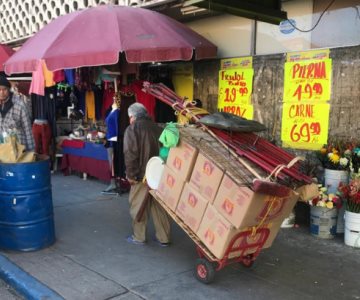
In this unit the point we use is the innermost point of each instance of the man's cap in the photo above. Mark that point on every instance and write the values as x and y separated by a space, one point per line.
4 82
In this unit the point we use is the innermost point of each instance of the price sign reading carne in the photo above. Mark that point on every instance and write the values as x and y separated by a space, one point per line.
305 125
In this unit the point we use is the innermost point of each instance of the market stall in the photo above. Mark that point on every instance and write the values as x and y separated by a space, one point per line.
105 35
85 157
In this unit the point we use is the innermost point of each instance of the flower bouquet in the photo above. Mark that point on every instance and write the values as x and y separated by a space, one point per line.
326 200
323 214
336 156
350 193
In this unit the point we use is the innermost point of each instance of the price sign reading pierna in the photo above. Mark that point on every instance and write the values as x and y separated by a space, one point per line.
307 80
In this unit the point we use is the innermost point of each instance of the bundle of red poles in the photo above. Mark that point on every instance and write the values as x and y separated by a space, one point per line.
242 145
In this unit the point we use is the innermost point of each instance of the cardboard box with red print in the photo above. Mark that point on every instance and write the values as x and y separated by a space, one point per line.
170 188
242 207
191 207
181 160
215 231
206 177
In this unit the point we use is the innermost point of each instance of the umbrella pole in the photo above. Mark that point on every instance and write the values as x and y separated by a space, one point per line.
115 85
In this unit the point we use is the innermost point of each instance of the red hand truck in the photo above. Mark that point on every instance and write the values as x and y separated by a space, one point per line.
243 248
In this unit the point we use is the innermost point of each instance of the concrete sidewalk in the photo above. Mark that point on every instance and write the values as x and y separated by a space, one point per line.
92 261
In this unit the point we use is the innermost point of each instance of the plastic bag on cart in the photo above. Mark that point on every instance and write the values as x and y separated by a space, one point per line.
227 121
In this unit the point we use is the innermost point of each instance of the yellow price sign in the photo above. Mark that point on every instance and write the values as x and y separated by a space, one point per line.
308 55
236 63
235 87
305 125
245 110
308 80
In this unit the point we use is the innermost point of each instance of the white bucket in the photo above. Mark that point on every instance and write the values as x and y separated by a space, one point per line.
352 229
323 222
333 178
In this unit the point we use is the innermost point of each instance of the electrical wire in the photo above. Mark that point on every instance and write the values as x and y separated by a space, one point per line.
318 21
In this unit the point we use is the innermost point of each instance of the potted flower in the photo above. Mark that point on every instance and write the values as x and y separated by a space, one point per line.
336 159
324 207
350 193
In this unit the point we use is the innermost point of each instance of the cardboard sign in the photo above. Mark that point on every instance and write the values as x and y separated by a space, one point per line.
236 63
244 110
305 125
235 87
308 80
308 55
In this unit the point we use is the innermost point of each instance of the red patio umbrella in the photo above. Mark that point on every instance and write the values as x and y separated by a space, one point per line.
5 53
96 36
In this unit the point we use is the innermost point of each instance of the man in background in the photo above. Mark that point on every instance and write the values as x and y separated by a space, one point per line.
141 142
14 116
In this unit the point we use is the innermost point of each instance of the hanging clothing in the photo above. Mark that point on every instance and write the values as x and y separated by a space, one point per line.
80 95
70 76
48 76
42 136
101 76
37 85
123 123
44 108
58 76
62 101
90 105
108 99
98 92
144 98
112 126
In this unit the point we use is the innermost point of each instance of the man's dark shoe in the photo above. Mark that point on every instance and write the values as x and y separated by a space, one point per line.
113 192
164 245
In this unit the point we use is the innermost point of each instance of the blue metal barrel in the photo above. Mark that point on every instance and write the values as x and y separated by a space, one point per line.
26 209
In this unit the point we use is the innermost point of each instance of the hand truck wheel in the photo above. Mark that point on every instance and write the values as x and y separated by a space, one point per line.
247 261
204 270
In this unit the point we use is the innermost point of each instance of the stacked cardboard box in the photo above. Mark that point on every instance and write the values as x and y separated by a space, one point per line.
199 191
177 171
206 177
170 187
191 207
217 205
239 209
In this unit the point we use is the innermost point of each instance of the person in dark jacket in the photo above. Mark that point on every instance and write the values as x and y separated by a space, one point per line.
141 142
